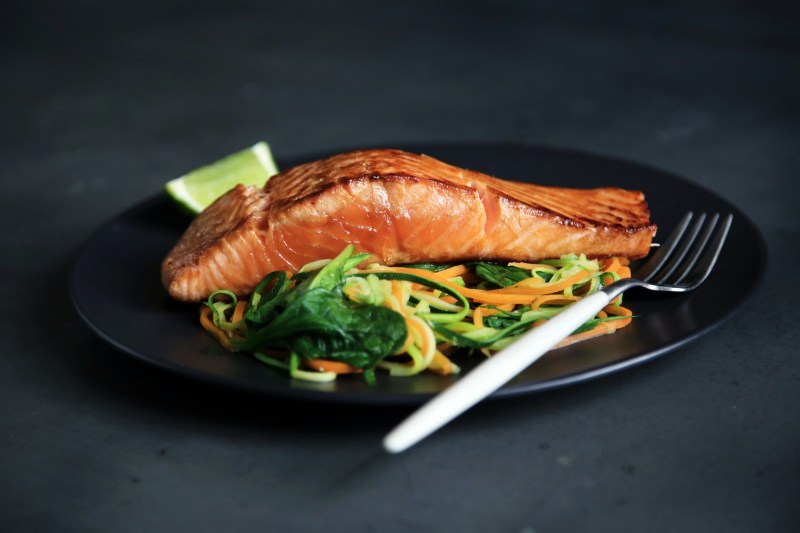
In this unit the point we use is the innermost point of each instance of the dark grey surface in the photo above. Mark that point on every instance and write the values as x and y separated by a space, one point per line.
102 104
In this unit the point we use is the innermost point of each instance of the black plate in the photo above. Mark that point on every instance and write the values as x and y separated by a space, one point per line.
115 286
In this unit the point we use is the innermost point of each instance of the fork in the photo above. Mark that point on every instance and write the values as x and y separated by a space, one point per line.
681 264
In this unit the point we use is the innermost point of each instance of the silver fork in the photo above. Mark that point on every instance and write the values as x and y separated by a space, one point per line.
681 264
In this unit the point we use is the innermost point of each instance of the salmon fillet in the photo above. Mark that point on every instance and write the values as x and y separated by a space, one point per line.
402 208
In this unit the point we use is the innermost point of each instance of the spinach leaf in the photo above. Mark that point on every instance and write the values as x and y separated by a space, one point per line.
500 275
263 302
310 316
355 260
332 274
323 323
499 321
328 277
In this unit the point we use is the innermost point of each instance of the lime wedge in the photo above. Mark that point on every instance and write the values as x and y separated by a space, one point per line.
199 188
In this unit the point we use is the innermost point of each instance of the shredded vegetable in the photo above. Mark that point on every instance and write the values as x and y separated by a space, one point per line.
352 316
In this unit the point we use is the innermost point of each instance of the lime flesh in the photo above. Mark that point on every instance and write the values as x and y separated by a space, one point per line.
199 188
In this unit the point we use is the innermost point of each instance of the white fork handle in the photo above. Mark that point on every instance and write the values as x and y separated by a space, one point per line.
492 374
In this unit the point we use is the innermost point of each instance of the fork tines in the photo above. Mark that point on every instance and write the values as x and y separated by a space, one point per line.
689 254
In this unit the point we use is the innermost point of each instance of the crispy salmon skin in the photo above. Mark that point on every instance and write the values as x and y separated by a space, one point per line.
402 208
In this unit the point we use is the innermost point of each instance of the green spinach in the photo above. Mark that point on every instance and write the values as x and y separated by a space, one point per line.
500 275
314 319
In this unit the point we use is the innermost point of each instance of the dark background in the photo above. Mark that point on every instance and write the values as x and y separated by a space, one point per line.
101 103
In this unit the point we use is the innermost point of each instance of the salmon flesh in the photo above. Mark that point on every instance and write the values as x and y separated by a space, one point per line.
402 208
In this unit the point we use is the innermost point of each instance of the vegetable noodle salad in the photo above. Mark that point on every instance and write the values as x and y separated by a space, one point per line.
347 315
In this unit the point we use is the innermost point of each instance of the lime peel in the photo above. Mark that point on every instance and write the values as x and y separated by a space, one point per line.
199 188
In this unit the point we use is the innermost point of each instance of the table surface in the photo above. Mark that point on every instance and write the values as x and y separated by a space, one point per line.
104 102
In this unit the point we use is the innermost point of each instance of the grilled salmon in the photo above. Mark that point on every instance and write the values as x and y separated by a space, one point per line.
402 208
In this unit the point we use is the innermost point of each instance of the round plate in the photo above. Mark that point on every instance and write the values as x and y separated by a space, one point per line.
115 286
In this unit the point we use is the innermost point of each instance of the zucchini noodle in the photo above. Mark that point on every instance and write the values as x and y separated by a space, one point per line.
477 307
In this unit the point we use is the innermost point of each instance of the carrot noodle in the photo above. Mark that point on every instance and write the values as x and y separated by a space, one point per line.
477 317
444 311
603 328
409 338
531 266
326 365
553 299
442 365
453 272
238 313
618 310
611 265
